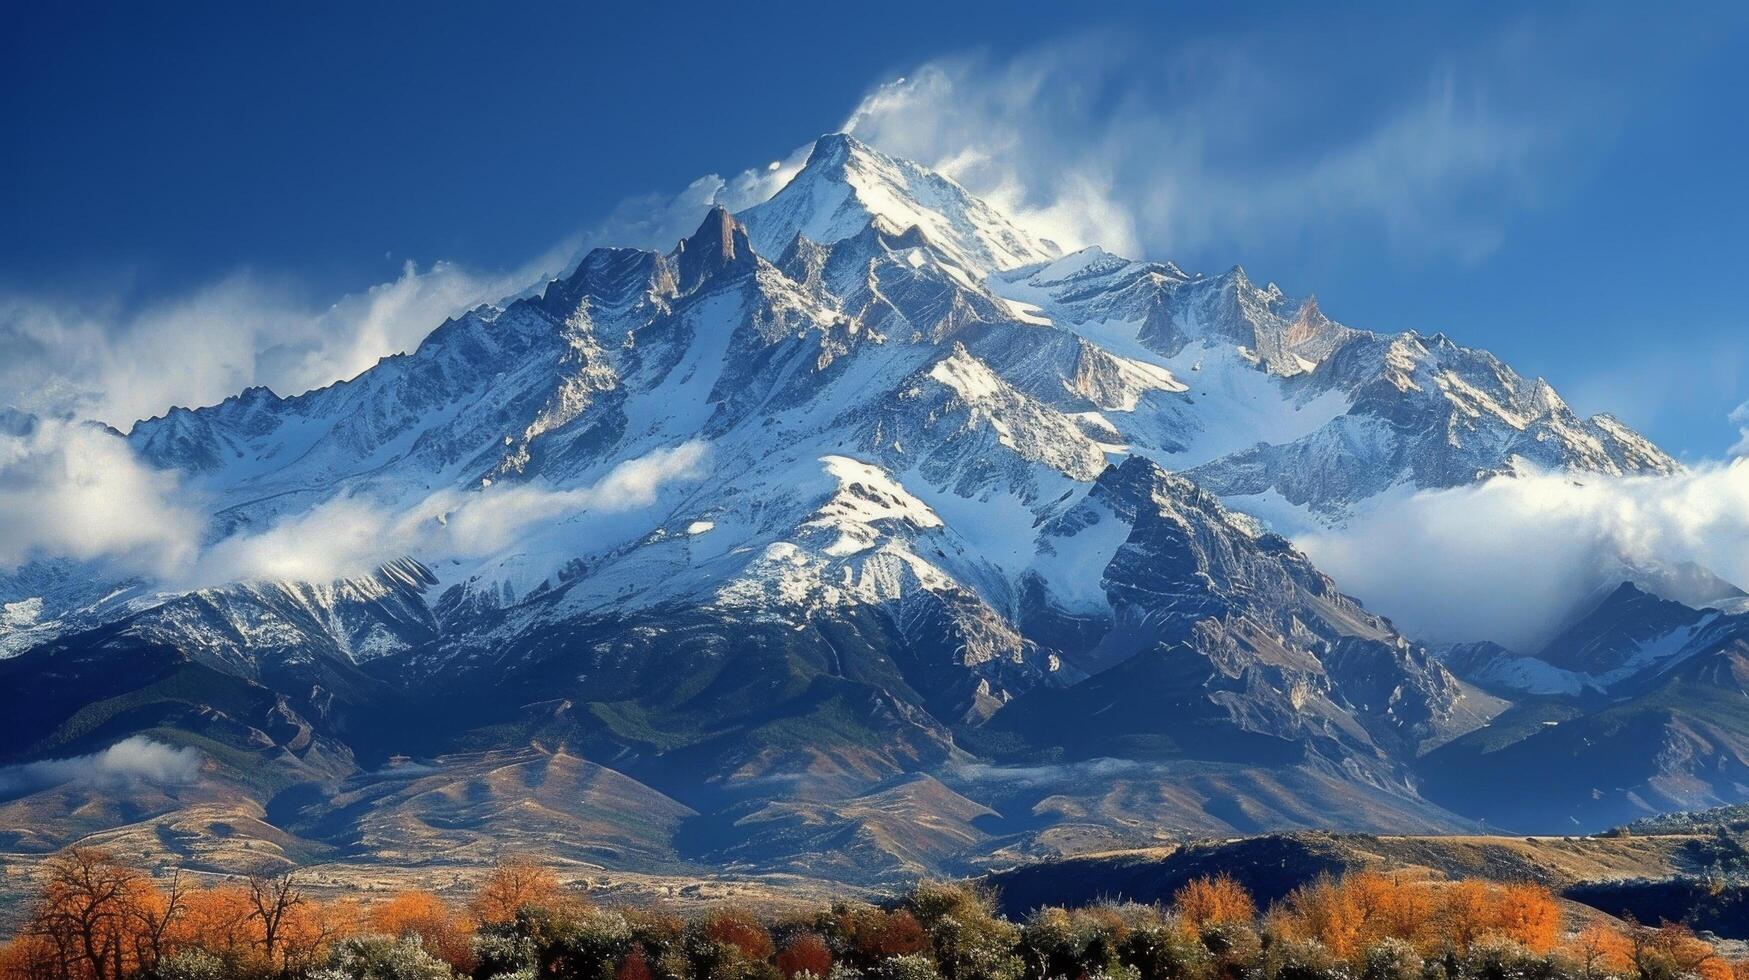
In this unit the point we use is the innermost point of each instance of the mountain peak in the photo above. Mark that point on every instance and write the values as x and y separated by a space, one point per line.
834 150
846 184
719 245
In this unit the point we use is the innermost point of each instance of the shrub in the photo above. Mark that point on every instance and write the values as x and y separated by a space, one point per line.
1391 959
587 945
502 951
383 958
1499 957
1214 899
1234 945
970 941
633 967
806 953
1295 958
195 964
868 935
914 966
741 929
1165 951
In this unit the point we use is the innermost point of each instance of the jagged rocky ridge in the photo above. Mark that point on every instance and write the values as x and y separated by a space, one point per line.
964 507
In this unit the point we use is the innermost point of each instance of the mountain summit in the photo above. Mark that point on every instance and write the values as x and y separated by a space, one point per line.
845 184
719 246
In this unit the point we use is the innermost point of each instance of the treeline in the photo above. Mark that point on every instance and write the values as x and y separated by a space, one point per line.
98 919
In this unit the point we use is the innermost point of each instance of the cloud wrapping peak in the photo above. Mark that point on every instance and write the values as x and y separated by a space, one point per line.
1505 560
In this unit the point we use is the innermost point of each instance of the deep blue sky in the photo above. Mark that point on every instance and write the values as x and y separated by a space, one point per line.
152 148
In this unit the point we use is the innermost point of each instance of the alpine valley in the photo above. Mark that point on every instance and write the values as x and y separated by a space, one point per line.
862 534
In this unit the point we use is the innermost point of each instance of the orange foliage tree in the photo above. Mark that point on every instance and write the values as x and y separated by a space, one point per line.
1213 899
1598 949
741 929
1467 914
516 881
1529 914
876 934
806 953
86 911
444 933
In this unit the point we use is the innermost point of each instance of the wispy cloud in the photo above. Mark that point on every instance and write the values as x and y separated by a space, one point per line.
97 358
1150 151
351 535
1507 559
137 760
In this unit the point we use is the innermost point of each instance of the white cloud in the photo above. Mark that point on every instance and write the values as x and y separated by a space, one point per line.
1740 419
129 762
1505 560
99 360
76 490
352 535
1100 140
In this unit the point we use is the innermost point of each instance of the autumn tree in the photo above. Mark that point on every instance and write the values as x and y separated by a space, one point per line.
1466 914
218 919
443 932
1208 900
514 882
875 934
1597 950
633 967
806 953
1527 913
274 901
84 912
154 915
737 927
33 956
310 931
1672 950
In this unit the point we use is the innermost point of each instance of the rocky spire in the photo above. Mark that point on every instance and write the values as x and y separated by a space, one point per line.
719 246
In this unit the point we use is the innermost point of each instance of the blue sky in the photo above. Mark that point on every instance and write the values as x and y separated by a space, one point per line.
1562 185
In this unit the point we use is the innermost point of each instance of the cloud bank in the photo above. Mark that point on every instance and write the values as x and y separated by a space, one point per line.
1505 560
134 761
76 490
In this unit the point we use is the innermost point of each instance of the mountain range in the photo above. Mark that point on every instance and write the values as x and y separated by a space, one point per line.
861 533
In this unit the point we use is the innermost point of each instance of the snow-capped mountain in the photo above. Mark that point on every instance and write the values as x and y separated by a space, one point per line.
863 482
